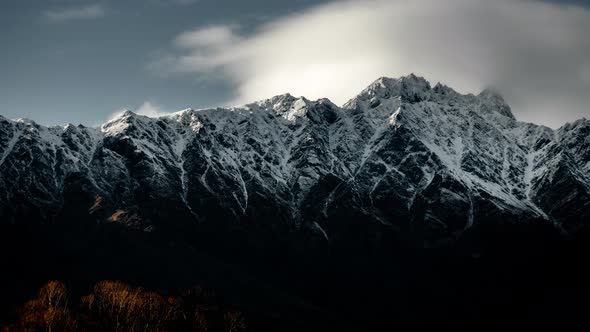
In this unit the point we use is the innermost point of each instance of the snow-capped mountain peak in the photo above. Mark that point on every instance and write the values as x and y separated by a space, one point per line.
494 100
399 152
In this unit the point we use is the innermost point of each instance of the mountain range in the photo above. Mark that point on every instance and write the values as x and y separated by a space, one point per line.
402 156
410 207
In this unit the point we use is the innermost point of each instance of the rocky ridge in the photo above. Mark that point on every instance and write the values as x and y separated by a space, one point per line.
402 156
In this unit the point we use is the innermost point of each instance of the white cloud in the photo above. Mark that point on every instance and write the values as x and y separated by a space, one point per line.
213 36
148 108
534 52
68 14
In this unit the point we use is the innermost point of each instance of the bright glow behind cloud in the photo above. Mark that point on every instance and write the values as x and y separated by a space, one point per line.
536 53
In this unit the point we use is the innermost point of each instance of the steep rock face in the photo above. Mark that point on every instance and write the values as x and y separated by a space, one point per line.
401 157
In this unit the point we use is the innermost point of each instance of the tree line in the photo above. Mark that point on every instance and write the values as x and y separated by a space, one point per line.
116 306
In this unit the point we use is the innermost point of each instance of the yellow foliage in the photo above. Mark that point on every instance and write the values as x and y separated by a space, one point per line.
49 311
116 306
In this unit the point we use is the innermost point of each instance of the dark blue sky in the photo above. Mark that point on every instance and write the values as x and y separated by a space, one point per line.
81 70
80 60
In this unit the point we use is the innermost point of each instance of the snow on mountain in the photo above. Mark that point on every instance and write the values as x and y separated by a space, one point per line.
400 154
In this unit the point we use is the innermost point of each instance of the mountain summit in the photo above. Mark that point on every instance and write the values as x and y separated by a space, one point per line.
402 156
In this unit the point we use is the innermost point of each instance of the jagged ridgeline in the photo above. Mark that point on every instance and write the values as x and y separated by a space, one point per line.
401 156
409 201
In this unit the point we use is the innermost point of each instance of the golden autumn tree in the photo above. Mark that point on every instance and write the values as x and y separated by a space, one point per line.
49 311
116 306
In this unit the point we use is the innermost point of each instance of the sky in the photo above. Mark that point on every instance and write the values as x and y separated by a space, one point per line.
81 61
